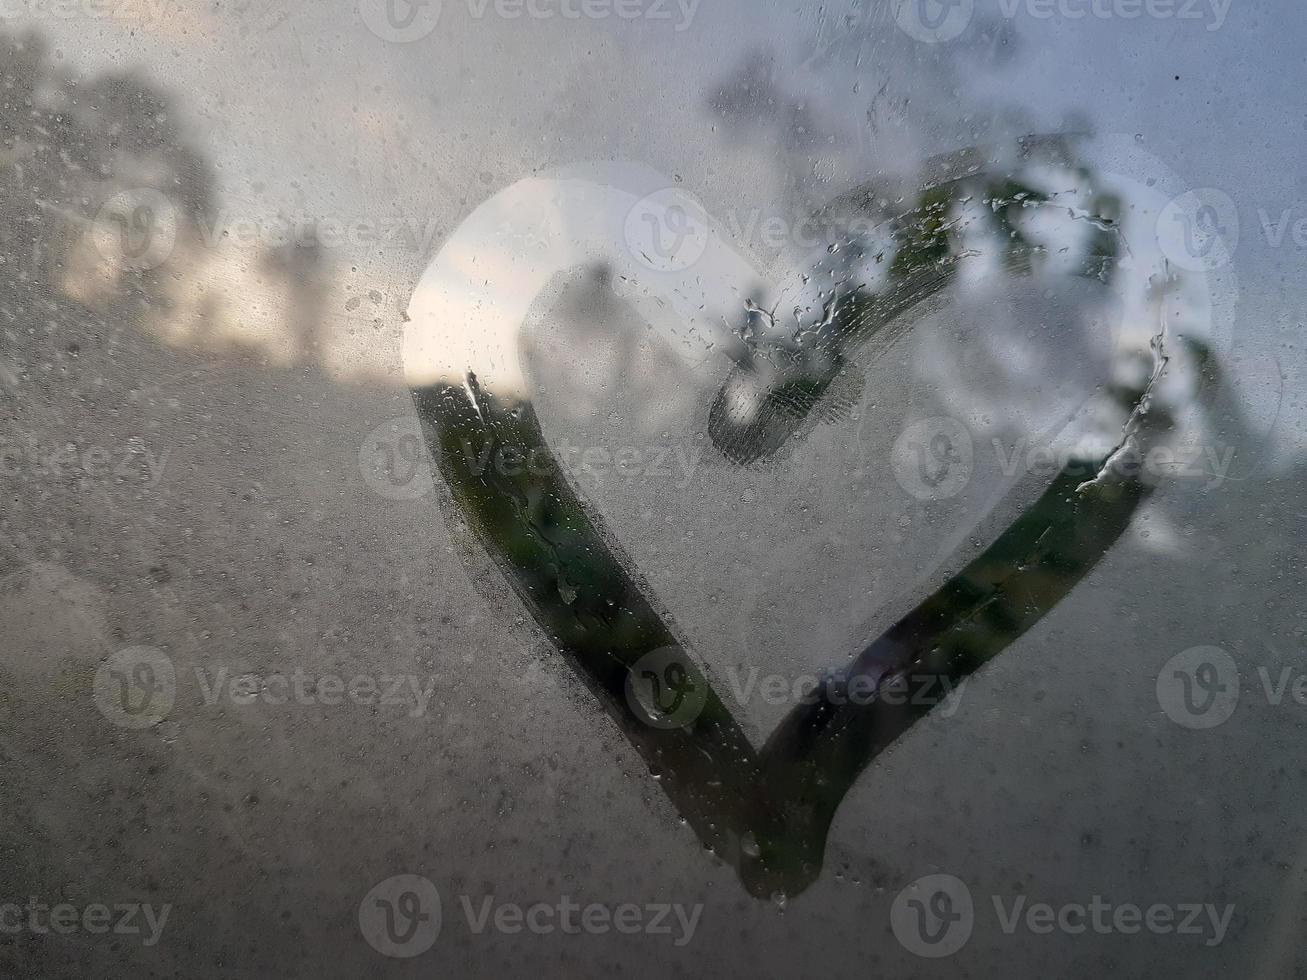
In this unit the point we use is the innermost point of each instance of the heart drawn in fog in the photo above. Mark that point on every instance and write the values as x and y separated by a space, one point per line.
766 811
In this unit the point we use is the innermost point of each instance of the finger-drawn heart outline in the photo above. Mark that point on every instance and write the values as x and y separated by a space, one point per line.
767 812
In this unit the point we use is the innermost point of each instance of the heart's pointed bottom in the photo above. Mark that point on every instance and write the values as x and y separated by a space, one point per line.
767 813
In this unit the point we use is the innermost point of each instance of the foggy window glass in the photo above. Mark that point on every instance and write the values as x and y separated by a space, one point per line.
666 488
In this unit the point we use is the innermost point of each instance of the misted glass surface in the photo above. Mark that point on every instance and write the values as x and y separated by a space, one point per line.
503 488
